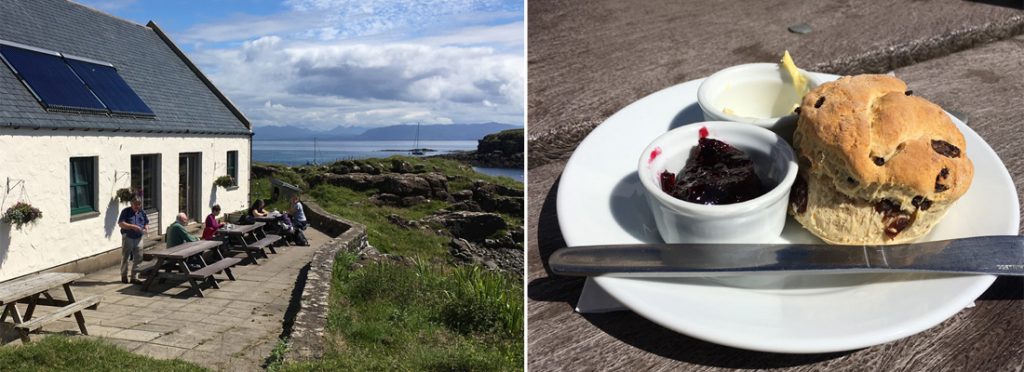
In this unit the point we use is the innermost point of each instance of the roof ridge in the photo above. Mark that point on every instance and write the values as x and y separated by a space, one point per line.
94 10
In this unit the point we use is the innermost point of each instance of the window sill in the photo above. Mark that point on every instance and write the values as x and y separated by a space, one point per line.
231 188
84 216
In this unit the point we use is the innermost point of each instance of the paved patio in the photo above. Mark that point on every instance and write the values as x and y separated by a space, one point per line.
233 328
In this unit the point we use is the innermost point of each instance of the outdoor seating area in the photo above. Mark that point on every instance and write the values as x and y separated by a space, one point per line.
173 314
34 290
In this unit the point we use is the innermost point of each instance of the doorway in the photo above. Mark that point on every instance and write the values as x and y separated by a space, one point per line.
189 191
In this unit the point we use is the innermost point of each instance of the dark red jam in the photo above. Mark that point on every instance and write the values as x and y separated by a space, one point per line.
716 173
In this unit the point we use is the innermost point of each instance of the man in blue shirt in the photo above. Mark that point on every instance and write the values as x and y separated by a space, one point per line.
133 223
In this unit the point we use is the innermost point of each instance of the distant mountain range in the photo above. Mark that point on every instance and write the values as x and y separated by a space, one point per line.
403 132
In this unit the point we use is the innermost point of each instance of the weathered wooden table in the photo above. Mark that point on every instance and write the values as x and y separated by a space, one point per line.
271 217
172 263
588 60
35 290
251 239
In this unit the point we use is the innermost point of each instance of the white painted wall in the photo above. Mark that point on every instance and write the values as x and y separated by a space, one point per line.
42 160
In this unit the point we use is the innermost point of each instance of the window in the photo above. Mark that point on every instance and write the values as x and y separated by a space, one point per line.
233 166
145 180
83 185
72 84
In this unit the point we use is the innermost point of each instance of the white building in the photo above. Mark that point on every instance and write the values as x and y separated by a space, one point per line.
89 104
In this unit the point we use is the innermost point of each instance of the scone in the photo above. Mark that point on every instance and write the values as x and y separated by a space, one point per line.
877 164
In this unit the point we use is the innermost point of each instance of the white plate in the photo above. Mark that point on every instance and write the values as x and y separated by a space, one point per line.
601 201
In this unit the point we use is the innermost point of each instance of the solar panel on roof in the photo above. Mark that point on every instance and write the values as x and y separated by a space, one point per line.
110 87
50 79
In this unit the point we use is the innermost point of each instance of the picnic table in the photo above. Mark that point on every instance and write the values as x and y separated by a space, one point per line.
35 291
172 263
269 218
588 60
251 239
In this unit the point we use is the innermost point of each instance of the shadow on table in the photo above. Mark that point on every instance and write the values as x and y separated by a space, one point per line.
635 330
1005 288
1015 4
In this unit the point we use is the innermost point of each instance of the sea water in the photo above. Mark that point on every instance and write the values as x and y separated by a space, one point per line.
301 152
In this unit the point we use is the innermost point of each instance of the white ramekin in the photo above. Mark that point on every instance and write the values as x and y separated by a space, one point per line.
758 220
722 81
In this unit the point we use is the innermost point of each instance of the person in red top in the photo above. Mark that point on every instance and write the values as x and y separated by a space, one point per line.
211 224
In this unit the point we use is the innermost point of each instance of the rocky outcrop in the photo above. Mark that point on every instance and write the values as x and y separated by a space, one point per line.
472 226
428 185
497 198
497 150
504 258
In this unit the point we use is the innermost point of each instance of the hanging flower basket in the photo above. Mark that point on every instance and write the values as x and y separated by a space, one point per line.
224 181
124 195
21 214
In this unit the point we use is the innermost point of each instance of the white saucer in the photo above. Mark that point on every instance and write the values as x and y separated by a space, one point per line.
600 201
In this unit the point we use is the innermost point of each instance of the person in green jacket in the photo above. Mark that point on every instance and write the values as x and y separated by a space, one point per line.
176 233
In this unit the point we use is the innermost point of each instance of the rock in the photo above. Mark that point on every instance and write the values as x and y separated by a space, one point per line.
468 206
397 220
463 195
404 184
510 260
400 166
472 226
410 201
386 199
517 234
428 185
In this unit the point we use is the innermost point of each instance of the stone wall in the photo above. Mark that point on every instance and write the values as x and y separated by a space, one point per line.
307 332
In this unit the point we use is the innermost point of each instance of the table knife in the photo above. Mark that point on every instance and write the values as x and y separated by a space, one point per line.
995 255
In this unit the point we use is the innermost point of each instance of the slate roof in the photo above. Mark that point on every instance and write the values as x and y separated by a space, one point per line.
179 98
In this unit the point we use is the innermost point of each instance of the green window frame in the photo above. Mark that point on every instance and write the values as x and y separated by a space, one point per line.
233 166
83 185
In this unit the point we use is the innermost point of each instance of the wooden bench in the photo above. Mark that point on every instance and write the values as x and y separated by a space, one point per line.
206 273
268 242
74 308
29 289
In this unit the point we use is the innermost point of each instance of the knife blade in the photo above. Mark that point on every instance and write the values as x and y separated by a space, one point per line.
995 255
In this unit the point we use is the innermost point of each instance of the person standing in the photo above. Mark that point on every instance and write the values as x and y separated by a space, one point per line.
298 217
133 222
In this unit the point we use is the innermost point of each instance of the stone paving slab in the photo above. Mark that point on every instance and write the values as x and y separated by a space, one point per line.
233 328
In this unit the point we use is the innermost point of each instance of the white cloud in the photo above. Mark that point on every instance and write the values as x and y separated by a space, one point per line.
324 63
277 82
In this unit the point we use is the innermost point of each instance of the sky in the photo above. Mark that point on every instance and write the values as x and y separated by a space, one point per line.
324 63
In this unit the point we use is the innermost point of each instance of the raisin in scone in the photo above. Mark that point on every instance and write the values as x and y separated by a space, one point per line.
877 164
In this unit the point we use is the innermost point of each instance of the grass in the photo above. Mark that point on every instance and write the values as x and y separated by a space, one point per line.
422 317
384 235
429 316
61 353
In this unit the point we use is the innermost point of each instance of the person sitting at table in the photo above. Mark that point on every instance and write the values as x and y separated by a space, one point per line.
211 225
177 235
257 209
